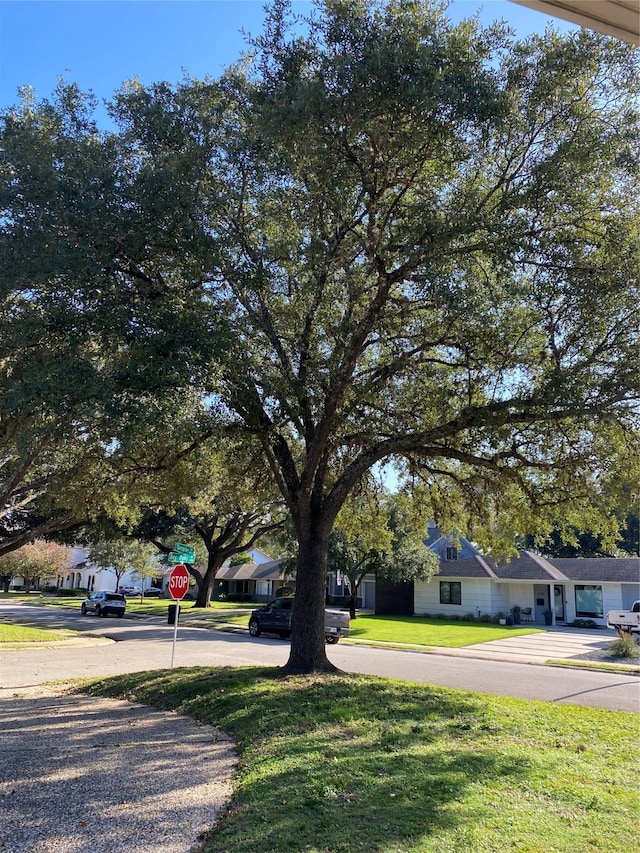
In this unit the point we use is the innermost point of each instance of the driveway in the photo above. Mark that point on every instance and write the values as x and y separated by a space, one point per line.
551 644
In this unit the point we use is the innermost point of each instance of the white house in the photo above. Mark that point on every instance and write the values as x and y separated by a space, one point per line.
568 589
547 590
81 573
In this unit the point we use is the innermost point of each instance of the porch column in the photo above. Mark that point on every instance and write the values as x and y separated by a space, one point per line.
552 603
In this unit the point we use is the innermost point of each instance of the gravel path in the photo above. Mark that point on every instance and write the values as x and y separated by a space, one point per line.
80 774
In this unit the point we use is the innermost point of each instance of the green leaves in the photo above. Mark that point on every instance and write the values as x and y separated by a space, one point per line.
381 534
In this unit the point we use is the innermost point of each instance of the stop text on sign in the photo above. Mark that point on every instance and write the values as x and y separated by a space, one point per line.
178 582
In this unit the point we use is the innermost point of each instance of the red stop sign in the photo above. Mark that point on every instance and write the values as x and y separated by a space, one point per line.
178 582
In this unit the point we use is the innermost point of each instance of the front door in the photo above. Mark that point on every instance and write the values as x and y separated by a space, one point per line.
558 602
541 597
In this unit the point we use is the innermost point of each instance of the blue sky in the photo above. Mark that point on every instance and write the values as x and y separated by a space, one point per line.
101 43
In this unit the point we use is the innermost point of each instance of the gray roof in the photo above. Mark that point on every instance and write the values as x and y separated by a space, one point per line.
252 571
532 567
603 569
469 567
528 566
438 541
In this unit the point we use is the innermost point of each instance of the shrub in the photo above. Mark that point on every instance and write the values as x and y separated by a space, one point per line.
584 623
71 593
468 617
284 590
485 617
625 646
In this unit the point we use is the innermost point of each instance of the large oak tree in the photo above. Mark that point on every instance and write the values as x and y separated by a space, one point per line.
228 507
428 242
414 241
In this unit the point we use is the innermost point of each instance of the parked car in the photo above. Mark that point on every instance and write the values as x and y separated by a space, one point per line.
625 620
104 603
153 591
130 590
275 618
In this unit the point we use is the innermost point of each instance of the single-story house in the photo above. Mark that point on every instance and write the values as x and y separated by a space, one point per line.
469 584
253 581
578 588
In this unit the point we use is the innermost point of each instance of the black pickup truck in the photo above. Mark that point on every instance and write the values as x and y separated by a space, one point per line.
275 618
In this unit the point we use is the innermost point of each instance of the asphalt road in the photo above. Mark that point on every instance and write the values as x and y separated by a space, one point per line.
144 644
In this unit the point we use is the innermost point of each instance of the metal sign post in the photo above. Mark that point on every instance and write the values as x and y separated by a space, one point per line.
175 632
178 586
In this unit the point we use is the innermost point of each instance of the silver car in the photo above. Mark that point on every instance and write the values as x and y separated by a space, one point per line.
104 603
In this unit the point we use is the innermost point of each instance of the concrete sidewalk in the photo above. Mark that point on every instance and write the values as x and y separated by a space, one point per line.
564 644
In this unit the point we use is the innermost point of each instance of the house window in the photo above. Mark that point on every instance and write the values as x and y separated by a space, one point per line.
450 592
588 600
452 553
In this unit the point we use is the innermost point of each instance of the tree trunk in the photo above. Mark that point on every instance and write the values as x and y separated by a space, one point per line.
353 594
308 649
207 580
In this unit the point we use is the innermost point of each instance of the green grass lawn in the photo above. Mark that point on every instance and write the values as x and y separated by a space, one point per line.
216 612
21 634
345 764
395 630
420 631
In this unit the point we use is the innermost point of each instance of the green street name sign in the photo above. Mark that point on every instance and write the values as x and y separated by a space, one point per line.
185 557
179 548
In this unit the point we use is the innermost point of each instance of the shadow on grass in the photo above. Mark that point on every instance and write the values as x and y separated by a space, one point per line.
332 763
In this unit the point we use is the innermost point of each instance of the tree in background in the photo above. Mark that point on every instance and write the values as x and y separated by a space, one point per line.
231 505
220 530
586 543
381 535
31 562
121 556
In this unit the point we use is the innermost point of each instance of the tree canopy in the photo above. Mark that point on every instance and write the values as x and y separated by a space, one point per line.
36 560
231 505
100 381
378 236
379 534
